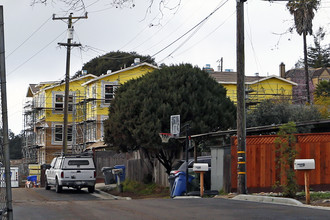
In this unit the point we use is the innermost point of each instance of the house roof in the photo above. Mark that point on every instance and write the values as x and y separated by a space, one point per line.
72 80
301 72
231 78
119 71
35 88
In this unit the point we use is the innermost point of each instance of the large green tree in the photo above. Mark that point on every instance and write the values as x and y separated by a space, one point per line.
142 109
113 61
15 146
271 112
318 55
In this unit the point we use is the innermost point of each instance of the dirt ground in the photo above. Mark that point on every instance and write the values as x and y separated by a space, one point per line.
157 194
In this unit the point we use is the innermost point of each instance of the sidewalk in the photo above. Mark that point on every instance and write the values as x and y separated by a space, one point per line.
103 189
277 200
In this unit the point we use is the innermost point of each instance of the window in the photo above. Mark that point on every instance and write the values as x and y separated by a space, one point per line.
59 102
108 93
57 164
91 132
94 96
78 162
58 133
108 90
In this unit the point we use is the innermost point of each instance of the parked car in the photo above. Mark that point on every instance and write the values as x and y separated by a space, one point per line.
71 171
181 165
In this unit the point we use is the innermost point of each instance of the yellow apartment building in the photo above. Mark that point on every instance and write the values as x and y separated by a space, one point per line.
89 101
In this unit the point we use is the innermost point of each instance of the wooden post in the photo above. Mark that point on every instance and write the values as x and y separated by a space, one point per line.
202 184
308 201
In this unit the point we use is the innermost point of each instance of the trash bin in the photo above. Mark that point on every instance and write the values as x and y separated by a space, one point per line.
122 175
171 180
43 167
109 178
179 186
32 179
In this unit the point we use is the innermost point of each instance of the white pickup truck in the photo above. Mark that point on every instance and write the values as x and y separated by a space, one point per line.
71 171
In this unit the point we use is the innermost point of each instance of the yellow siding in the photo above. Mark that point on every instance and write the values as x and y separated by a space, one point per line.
231 91
120 78
262 90
76 90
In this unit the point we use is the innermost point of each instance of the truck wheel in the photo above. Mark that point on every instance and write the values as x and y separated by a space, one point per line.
91 189
47 187
58 188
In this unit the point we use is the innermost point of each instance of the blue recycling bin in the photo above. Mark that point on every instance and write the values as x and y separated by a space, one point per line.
122 175
179 186
32 179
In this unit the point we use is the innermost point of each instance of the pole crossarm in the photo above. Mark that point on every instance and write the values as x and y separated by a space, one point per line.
65 18
69 45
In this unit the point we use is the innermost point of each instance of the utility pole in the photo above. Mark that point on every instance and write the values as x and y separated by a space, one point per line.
68 45
241 119
220 66
9 208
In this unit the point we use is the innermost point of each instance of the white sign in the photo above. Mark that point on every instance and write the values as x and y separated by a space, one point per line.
175 125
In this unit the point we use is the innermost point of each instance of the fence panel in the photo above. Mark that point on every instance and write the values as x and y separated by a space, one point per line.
262 172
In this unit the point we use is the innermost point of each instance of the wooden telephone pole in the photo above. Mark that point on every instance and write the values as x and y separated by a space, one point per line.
68 45
241 119
4 112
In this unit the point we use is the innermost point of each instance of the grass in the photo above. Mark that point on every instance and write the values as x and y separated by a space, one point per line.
315 195
138 190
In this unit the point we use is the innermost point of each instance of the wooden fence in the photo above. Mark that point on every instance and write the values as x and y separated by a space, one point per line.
262 172
136 167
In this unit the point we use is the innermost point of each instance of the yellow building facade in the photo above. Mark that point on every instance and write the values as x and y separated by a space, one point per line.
258 88
89 101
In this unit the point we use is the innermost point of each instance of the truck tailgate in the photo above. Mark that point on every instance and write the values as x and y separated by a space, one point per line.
79 174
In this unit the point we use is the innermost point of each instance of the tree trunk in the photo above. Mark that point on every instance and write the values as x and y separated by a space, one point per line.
306 68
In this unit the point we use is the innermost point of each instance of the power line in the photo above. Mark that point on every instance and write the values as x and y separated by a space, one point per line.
201 22
35 54
28 37
208 35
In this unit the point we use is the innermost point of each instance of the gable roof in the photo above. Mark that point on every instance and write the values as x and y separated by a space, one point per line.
71 80
231 78
35 88
119 71
301 72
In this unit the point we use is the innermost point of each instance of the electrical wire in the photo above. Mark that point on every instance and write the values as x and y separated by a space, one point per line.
28 38
208 35
190 30
19 66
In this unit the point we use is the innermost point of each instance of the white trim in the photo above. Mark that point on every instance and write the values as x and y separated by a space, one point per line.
119 71
103 84
260 80
53 133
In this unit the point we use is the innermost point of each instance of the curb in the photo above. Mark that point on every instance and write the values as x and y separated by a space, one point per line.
268 199
187 197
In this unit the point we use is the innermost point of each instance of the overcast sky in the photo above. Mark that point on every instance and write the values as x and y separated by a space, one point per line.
33 55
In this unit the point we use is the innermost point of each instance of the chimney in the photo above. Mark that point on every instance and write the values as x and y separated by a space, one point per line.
282 70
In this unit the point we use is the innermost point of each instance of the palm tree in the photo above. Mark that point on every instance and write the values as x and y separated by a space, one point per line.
303 13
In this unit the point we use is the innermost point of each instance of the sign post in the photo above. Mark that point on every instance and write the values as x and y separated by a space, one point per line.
306 165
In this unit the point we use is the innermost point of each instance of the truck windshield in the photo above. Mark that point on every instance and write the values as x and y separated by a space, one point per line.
78 162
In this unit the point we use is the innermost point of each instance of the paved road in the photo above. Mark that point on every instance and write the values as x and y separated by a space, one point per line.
41 204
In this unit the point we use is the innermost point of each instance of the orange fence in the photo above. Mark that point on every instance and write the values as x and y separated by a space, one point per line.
261 171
